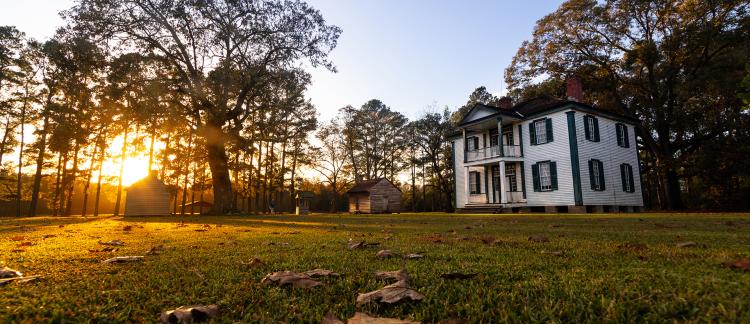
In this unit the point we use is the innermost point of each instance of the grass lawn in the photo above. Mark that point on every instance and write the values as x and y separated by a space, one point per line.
596 279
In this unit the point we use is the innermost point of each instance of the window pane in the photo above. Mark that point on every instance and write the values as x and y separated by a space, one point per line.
541 131
545 180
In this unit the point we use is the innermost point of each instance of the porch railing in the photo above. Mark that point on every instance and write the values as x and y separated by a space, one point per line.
493 152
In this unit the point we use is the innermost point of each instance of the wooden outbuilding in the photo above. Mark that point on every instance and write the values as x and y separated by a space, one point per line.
374 196
147 197
302 201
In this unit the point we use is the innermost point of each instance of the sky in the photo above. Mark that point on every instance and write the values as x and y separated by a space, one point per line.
414 55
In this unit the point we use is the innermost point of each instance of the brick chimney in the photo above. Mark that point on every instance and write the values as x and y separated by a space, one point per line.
574 89
505 103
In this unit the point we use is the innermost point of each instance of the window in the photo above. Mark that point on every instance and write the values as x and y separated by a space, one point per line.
472 143
510 174
591 128
596 175
508 136
493 137
623 140
545 176
474 183
540 131
626 173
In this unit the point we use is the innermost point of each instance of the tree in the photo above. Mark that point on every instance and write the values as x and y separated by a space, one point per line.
223 52
332 160
430 133
479 95
673 65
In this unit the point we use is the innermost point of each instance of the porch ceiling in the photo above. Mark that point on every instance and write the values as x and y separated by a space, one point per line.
487 123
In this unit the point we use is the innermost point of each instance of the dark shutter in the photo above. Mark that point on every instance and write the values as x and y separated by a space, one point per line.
553 174
591 174
601 176
625 135
630 176
532 134
535 176
478 189
548 122
596 129
623 174
586 129
619 129
466 144
476 142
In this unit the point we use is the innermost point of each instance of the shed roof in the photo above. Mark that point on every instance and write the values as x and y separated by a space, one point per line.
366 185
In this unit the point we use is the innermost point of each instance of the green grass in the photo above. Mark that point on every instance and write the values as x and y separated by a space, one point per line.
594 281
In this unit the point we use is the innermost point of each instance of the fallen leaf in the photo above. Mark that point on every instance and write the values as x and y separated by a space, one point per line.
742 264
686 244
46 236
19 280
190 314
156 250
17 238
467 227
297 280
490 240
457 275
383 254
124 259
397 275
434 238
127 228
106 249
353 245
201 230
315 273
362 318
254 263
6 272
112 242
538 238
277 243
17 250
25 244
555 253
554 226
413 256
295 232
331 319
390 294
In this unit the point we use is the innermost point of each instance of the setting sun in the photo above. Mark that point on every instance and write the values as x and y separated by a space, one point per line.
135 166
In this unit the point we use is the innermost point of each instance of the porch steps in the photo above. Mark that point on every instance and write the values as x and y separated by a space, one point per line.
483 209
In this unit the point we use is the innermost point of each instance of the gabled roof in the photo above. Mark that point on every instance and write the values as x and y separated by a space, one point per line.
480 112
366 185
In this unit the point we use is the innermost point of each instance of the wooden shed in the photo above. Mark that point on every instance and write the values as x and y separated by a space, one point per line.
374 196
147 197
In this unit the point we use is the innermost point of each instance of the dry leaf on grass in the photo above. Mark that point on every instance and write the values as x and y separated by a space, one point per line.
353 245
331 319
397 275
555 253
17 238
112 242
315 273
742 264
538 238
297 280
127 228
490 240
254 263
686 244
362 318
46 236
19 280
201 230
156 250
390 294
277 243
6 272
413 256
25 244
105 249
190 314
385 254
458 275
124 259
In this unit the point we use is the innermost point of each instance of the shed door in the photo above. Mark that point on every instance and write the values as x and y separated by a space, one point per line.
384 204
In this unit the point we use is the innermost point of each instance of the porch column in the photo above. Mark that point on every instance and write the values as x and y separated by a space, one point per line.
466 184
500 136
503 184
466 147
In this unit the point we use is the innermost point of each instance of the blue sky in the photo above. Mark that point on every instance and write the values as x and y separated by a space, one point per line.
411 54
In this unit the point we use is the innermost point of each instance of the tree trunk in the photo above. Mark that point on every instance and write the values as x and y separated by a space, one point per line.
72 185
39 165
123 151
99 178
257 207
5 139
187 172
58 178
20 162
86 185
217 162
151 151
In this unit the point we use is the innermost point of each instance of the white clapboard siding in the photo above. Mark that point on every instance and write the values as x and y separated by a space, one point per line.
558 151
460 172
611 155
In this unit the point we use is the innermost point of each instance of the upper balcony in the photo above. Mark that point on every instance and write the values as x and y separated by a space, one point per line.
492 152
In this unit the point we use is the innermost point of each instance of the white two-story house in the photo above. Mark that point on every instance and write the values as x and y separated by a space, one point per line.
546 154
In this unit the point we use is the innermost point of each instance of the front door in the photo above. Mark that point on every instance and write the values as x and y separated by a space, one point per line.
496 184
